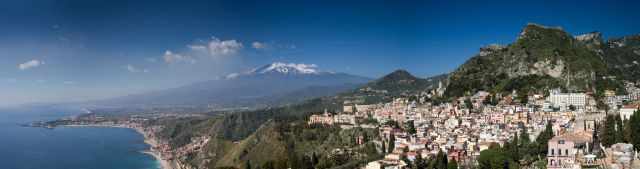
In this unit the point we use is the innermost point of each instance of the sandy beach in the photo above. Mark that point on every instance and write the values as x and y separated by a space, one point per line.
153 143
165 164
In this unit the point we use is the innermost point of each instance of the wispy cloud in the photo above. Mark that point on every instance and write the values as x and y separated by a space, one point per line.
134 69
30 64
170 57
218 48
259 45
69 82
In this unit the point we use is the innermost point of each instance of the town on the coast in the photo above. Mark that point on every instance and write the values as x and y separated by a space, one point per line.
555 130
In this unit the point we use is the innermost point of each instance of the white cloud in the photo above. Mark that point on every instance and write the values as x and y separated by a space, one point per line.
30 64
170 57
134 69
218 48
259 45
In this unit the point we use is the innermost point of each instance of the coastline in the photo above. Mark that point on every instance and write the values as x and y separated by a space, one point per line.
164 164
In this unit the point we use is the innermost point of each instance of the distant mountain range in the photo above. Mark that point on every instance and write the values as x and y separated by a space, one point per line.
270 85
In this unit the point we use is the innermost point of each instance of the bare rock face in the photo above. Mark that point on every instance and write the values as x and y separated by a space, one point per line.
593 41
548 68
595 37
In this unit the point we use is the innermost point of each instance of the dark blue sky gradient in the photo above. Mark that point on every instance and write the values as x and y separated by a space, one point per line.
88 42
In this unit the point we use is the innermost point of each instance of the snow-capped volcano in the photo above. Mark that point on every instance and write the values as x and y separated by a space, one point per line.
282 69
287 68
270 84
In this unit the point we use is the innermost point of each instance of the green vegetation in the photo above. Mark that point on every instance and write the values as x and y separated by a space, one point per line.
526 64
634 123
615 130
518 152
494 159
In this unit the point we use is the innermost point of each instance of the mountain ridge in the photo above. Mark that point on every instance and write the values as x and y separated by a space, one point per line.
539 54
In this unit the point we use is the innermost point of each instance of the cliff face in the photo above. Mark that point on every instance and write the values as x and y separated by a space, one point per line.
539 54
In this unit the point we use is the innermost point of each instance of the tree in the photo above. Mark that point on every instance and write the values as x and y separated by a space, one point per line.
247 164
419 162
543 139
392 142
627 131
314 158
452 165
411 127
524 137
268 165
467 103
441 160
490 100
609 135
635 128
307 163
512 149
619 132
491 159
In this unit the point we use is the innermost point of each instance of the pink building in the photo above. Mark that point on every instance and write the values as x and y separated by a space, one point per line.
565 149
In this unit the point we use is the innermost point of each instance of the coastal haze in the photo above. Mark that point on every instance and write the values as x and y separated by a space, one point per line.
318 85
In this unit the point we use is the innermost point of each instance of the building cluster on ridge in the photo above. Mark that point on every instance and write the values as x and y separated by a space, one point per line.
467 126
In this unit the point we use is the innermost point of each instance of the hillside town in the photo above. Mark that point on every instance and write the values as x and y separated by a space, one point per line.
412 128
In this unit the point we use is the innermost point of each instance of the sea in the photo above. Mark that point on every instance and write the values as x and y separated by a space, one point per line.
67 147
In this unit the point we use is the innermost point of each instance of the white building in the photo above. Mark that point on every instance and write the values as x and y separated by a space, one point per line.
627 110
564 100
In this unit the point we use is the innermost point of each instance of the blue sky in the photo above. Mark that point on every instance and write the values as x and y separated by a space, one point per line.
82 50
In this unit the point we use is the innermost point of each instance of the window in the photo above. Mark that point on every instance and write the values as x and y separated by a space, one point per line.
566 152
552 151
559 152
560 141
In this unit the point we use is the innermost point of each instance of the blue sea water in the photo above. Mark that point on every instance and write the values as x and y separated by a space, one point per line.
68 147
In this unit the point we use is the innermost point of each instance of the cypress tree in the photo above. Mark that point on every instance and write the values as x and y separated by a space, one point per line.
619 132
247 164
524 137
392 142
627 130
609 135
543 139
453 164
441 160
513 148
419 162
635 128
